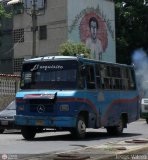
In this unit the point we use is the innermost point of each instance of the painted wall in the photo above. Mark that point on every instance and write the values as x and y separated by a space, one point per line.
93 23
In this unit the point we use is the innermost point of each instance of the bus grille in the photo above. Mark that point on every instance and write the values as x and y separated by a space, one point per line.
45 105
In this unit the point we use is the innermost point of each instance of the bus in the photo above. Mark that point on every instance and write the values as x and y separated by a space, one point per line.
74 93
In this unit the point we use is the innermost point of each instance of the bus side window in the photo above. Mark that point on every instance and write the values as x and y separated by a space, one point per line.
98 76
132 82
90 77
81 80
102 74
106 83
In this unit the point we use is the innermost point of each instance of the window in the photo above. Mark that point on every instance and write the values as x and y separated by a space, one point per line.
18 8
124 77
39 4
81 79
50 75
18 35
98 77
43 32
132 83
114 77
90 77
17 64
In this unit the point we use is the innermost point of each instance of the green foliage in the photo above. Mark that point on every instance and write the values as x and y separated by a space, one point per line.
74 49
131 28
4 13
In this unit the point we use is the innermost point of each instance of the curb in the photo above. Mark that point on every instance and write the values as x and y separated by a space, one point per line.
121 150
125 155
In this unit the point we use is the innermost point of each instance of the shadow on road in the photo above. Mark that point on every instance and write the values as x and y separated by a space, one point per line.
90 136
12 131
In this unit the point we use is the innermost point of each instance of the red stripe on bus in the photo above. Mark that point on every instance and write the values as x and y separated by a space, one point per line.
84 100
116 102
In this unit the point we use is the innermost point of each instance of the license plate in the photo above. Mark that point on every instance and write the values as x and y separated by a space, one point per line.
5 123
39 122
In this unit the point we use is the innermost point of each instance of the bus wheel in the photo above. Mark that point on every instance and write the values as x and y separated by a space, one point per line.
28 132
80 130
116 130
1 131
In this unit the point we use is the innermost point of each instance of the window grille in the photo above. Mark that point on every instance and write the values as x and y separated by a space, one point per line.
17 64
18 35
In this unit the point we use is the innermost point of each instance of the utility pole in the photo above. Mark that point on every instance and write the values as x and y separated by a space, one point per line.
33 9
34 28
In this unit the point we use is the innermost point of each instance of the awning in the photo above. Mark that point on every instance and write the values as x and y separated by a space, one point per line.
14 2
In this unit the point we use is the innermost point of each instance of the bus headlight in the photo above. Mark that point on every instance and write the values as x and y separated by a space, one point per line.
64 107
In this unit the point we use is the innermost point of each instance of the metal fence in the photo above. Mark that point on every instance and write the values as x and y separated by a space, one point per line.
9 84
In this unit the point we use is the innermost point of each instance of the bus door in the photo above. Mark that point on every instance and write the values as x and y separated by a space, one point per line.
104 86
92 94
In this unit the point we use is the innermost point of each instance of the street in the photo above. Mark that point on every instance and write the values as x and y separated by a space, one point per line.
13 142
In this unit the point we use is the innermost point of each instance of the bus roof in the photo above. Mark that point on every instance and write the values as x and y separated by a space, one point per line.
80 58
46 58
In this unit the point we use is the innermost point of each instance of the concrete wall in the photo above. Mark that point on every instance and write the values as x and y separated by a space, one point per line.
56 21
69 20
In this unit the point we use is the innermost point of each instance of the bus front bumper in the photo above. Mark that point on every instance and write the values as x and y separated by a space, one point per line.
45 121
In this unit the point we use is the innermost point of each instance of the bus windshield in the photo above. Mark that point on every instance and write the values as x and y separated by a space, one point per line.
49 75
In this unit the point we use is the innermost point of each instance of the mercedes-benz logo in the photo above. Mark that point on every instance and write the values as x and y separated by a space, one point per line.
41 108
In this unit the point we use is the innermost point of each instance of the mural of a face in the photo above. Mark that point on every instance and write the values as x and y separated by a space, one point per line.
93 33
93 25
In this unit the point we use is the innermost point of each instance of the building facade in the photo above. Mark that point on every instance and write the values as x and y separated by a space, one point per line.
89 21
6 42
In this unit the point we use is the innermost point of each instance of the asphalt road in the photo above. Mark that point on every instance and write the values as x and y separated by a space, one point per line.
13 143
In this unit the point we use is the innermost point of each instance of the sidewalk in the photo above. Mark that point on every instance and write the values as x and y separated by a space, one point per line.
124 150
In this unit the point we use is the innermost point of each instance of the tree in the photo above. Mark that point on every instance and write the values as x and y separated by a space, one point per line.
4 12
131 28
74 49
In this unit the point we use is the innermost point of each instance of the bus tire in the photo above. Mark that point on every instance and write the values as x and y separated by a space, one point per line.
80 130
28 132
116 130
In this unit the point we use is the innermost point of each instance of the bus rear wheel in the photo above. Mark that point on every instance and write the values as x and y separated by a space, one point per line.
28 132
80 130
116 130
